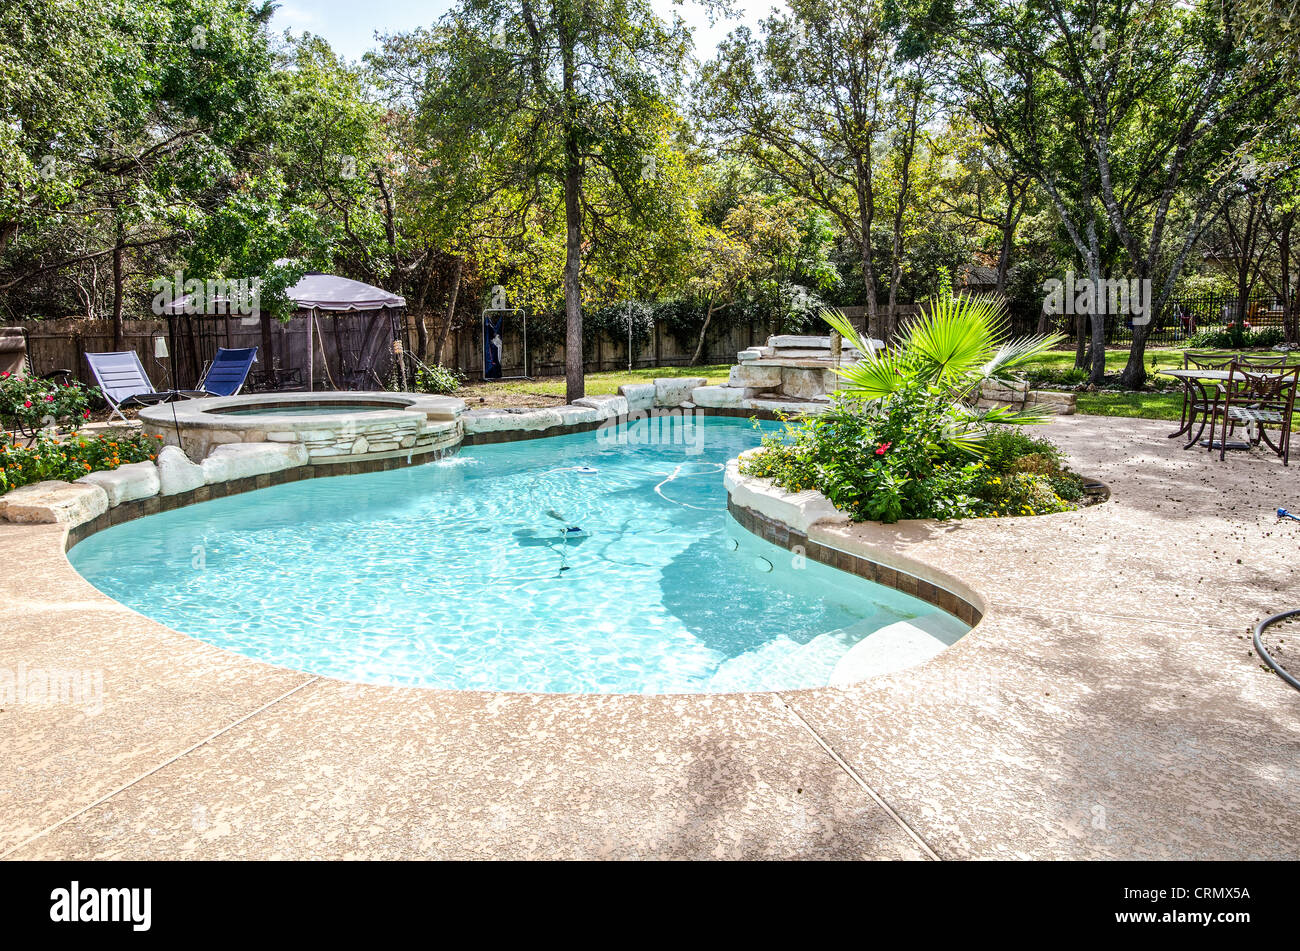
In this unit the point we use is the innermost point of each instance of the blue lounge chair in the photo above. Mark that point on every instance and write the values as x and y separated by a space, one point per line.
228 371
124 383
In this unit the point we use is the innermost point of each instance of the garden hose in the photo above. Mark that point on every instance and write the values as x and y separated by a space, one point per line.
1268 621
1265 655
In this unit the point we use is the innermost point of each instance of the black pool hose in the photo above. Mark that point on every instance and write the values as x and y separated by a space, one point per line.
1267 657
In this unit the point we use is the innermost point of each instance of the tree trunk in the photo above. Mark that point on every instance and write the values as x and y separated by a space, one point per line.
866 215
421 315
574 386
896 247
452 296
118 289
698 357
1097 375
1289 296
267 356
1009 222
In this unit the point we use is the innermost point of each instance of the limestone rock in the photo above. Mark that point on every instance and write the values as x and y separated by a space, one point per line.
805 384
759 377
245 459
176 473
673 391
135 480
492 421
47 502
720 397
610 406
639 396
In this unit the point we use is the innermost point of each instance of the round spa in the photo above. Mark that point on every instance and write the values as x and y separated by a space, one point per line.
333 427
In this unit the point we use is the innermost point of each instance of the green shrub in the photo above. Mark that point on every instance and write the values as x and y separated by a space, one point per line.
436 379
1225 340
901 439
880 467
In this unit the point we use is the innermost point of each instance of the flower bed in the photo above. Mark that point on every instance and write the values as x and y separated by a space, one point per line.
33 403
71 457
848 459
903 438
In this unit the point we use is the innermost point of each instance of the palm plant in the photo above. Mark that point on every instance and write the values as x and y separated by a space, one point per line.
946 354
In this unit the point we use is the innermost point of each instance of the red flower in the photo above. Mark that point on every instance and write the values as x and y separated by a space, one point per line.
27 403
49 399
4 376
85 414
883 448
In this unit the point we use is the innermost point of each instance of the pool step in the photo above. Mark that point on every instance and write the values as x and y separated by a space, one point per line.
782 662
897 646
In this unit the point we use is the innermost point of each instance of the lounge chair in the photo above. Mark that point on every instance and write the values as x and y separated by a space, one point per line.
227 372
124 383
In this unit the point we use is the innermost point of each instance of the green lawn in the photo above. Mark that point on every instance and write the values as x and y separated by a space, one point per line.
1146 405
551 389
1138 405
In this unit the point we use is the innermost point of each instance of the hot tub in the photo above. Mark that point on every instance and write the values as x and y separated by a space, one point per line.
334 427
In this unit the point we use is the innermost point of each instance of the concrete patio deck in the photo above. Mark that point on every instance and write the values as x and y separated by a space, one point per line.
1108 706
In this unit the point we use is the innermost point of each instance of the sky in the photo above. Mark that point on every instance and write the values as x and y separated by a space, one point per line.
349 25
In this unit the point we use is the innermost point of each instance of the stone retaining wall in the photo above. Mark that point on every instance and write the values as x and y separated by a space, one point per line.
1019 396
791 520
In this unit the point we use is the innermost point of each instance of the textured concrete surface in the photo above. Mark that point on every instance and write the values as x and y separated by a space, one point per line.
1107 706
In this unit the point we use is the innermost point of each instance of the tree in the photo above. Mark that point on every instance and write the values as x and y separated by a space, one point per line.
575 97
1123 114
808 104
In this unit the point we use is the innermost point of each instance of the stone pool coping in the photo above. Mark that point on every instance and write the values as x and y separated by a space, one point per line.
1107 706
410 423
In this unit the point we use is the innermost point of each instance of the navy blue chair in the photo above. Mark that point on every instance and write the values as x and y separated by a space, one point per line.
228 371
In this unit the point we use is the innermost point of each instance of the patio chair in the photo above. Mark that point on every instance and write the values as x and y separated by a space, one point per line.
1258 401
226 374
124 383
1206 360
1262 359
1200 398
122 380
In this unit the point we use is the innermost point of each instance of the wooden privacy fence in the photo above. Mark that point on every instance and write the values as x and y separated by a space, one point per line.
63 344
341 344
608 352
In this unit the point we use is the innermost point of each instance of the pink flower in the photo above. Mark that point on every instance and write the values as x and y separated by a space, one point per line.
49 399
27 403
883 448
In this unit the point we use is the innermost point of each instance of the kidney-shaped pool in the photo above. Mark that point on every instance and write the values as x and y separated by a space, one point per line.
597 562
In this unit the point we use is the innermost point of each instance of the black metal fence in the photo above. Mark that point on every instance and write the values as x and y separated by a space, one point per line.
1179 319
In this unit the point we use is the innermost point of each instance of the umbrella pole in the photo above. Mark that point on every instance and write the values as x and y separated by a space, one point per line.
311 349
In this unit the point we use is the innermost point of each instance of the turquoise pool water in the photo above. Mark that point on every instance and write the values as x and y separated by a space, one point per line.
463 574
307 409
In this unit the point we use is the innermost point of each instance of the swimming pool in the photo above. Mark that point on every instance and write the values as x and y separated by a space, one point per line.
597 562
